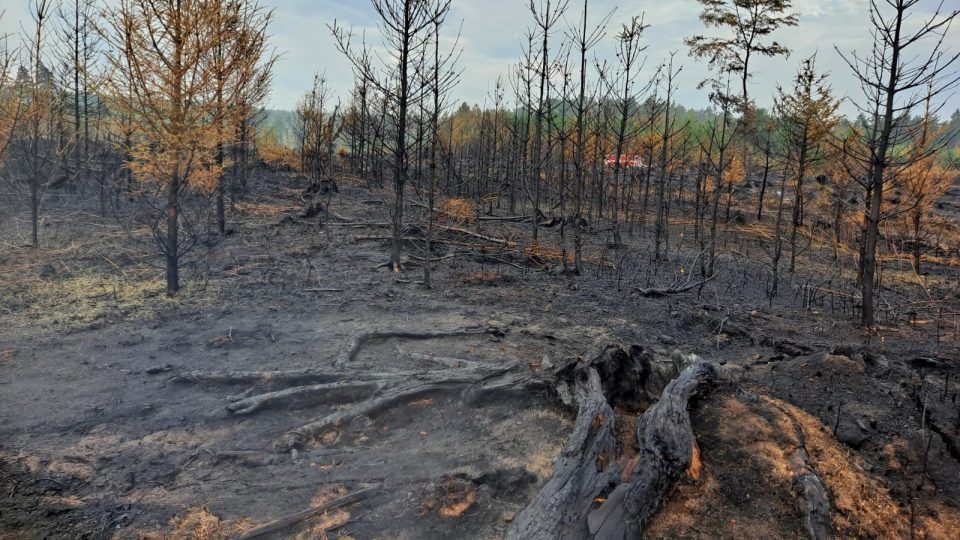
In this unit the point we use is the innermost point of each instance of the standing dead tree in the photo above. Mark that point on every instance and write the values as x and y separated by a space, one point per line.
721 133
406 27
626 96
441 77
583 39
78 51
668 133
895 80
545 18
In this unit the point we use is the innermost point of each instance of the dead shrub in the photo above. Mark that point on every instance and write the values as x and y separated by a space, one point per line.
451 498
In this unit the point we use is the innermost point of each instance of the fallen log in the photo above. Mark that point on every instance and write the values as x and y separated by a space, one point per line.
472 234
293 519
813 503
517 219
676 288
580 473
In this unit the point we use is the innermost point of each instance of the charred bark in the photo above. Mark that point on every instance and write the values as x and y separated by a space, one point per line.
589 466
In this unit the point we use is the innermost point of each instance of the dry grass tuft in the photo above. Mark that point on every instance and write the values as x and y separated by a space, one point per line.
266 208
219 341
487 278
457 210
541 255
200 524
86 285
328 520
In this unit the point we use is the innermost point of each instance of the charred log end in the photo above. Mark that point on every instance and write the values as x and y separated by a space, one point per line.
624 375
288 442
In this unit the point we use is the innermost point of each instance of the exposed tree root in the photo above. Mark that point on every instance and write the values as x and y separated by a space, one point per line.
401 390
580 473
346 354
814 501
299 376
357 388
356 341
318 393
591 464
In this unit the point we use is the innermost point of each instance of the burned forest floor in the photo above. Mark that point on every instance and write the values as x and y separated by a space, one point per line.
128 414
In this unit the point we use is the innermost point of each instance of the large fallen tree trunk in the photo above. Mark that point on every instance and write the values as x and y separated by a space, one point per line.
589 467
580 473
667 449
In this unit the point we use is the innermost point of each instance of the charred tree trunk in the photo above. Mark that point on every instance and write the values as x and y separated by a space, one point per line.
590 465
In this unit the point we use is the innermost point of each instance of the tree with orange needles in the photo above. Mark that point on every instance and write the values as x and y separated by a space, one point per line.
242 72
35 142
9 104
807 116
923 182
170 61
734 174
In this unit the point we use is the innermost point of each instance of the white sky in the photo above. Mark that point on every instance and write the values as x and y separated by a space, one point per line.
492 31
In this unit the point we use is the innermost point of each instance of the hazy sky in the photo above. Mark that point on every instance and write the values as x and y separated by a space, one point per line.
492 31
